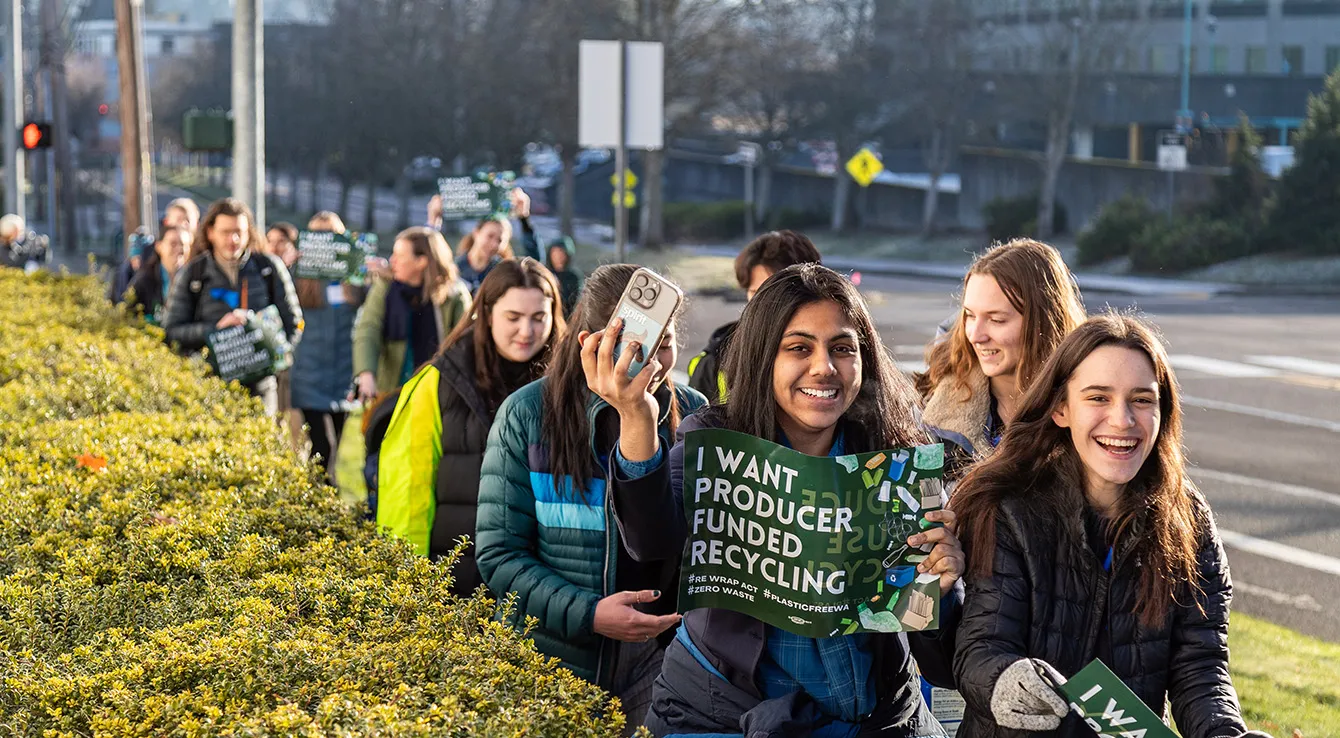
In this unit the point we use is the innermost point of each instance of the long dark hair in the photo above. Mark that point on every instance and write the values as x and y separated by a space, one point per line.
524 274
883 415
1037 462
567 431
1038 284
230 206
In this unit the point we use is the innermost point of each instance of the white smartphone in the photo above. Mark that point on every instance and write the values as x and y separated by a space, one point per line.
647 306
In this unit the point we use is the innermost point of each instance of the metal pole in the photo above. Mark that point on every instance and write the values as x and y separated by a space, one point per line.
249 106
13 117
1185 113
749 200
621 160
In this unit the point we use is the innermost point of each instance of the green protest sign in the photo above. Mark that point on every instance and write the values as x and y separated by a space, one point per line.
1109 707
328 256
472 196
252 351
814 545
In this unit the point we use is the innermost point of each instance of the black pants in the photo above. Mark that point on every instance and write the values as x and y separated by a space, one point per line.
324 428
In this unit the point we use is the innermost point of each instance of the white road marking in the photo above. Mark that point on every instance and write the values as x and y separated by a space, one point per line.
1219 367
1293 490
1281 552
911 365
915 350
1296 601
1298 364
1258 412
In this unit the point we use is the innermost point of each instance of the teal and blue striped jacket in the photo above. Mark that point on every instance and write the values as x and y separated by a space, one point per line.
557 553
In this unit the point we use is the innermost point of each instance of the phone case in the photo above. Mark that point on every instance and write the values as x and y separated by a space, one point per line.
647 306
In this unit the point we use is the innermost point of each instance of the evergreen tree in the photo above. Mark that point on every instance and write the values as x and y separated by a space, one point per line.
1241 196
1306 216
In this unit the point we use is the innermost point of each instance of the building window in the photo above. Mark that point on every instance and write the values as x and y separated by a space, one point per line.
1164 59
1219 59
167 45
1293 61
1256 60
1332 58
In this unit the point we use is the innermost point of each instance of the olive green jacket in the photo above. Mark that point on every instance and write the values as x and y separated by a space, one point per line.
386 358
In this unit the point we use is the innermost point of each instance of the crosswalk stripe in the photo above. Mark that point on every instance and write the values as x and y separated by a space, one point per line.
1280 552
1298 364
1206 403
1293 490
1219 367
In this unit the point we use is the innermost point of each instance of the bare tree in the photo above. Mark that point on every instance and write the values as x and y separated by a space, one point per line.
1074 45
932 47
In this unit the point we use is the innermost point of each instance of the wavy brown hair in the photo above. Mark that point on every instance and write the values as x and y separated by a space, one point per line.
568 431
883 415
524 274
441 275
1038 284
1036 463
505 250
229 206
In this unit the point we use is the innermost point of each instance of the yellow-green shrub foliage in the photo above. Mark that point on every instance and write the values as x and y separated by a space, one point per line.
204 582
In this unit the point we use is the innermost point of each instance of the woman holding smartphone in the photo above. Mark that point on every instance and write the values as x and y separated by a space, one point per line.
1019 300
1087 540
805 369
545 531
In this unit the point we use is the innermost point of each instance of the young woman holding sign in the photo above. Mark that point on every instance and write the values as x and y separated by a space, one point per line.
544 530
225 277
324 365
805 369
1019 300
1087 540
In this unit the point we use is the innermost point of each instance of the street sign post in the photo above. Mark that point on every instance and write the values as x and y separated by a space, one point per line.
864 167
1172 159
748 152
621 105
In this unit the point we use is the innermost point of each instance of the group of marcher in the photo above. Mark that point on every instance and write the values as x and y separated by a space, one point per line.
497 411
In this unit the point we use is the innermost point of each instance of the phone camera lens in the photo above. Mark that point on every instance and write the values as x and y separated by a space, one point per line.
636 294
641 280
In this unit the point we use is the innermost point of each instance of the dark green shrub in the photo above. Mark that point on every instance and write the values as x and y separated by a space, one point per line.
704 221
1116 229
1304 216
1188 244
167 567
1017 217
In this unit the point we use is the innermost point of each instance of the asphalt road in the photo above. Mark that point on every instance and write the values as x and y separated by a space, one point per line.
1261 380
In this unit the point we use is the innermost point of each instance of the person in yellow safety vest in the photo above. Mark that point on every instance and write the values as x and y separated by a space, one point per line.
764 256
429 461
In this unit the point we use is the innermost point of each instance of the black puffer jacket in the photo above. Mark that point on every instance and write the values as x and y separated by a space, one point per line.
1049 598
199 297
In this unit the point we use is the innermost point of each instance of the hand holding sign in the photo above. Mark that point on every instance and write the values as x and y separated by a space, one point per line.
946 558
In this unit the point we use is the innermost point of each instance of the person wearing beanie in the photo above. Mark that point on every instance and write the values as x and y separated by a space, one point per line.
562 252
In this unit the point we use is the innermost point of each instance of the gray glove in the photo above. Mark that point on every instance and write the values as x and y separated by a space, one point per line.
1023 701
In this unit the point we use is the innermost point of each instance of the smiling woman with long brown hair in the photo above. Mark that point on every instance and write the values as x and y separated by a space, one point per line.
1087 539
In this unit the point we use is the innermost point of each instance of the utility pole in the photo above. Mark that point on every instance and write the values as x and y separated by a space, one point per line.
249 106
63 219
13 114
137 199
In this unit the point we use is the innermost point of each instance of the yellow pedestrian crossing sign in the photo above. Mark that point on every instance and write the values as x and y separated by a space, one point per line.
864 167
629 179
629 199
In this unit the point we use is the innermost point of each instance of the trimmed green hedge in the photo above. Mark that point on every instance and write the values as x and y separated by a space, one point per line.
203 582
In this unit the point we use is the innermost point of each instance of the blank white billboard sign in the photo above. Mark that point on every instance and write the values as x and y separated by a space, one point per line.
600 81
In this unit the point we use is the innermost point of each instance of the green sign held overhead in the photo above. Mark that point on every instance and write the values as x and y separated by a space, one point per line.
329 256
813 545
253 351
474 196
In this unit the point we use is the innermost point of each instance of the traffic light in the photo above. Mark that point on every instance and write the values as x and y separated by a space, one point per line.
104 109
36 135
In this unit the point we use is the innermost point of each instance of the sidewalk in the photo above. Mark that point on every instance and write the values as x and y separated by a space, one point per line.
1126 285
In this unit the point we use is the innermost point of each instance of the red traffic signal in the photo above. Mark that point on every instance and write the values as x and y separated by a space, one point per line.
36 135
104 109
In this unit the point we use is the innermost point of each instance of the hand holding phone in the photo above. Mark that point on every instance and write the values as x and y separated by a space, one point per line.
647 307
